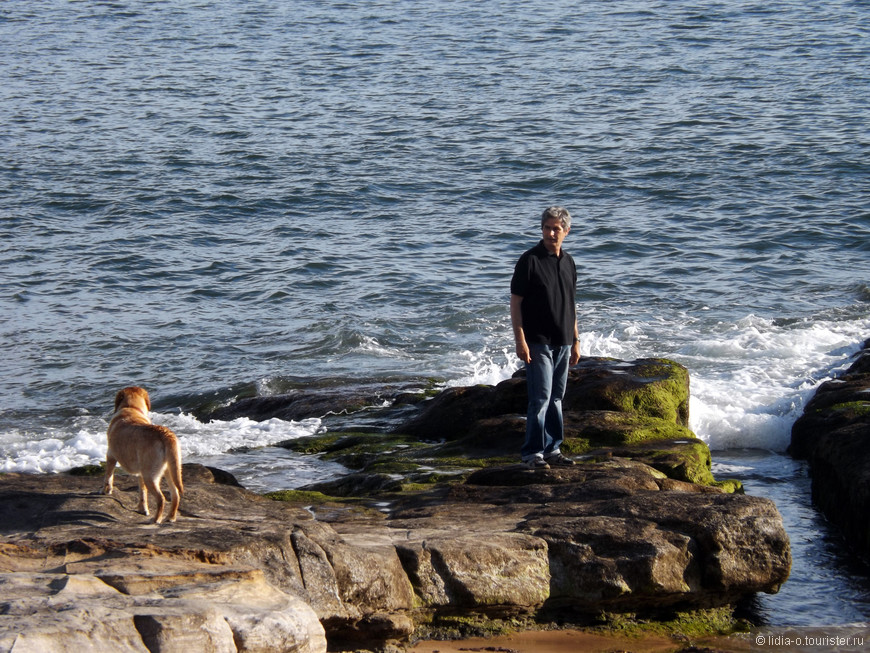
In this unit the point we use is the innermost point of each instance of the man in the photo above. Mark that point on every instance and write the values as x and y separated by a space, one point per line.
544 319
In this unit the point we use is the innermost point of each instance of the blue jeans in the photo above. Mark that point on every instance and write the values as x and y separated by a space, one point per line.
546 378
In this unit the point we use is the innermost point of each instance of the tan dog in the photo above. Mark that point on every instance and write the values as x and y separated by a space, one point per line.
143 449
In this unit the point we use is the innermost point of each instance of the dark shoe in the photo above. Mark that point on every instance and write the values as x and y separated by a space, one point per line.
558 460
536 463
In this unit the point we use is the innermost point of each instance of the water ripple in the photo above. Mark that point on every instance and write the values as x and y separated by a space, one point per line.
182 176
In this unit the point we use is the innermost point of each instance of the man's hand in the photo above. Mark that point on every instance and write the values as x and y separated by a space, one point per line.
523 352
575 353
519 335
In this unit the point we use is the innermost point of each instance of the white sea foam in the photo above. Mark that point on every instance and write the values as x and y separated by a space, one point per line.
749 382
210 438
493 366
486 367
244 448
52 451
85 443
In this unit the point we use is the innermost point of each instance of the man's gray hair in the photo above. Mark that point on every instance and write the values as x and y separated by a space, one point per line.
559 213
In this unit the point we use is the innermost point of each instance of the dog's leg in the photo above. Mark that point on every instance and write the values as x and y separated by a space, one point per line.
108 485
153 484
175 499
143 496
173 477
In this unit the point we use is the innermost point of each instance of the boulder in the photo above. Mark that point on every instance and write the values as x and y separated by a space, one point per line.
637 409
300 401
293 576
621 536
301 575
151 604
646 388
833 435
436 520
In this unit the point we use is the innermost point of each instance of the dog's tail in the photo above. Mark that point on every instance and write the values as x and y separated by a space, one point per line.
174 460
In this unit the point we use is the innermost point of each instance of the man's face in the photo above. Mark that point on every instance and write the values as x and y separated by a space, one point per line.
554 233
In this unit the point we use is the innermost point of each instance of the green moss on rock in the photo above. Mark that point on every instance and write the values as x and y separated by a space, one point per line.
664 392
851 409
684 458
729 485
313 444
299 496
592 430
679 625
88 470
447 627
683 624
392 466
688 461
357 451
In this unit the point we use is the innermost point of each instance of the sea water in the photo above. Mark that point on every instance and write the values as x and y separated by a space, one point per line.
210 199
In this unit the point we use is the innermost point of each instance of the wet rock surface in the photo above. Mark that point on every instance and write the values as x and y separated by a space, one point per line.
422 531
833 434
615 535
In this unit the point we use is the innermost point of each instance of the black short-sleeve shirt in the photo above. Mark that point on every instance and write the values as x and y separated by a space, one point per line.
548 286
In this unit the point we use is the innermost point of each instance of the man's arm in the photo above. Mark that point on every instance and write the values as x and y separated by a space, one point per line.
575 347
522 346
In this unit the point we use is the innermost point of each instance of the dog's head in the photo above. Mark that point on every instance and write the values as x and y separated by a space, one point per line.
133 397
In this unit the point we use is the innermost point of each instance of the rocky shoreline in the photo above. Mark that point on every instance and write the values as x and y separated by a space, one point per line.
833 435
435 532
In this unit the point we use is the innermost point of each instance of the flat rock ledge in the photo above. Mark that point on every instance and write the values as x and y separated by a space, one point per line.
239 572
833 435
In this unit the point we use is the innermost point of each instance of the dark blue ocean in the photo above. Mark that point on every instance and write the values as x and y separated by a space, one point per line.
208 197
